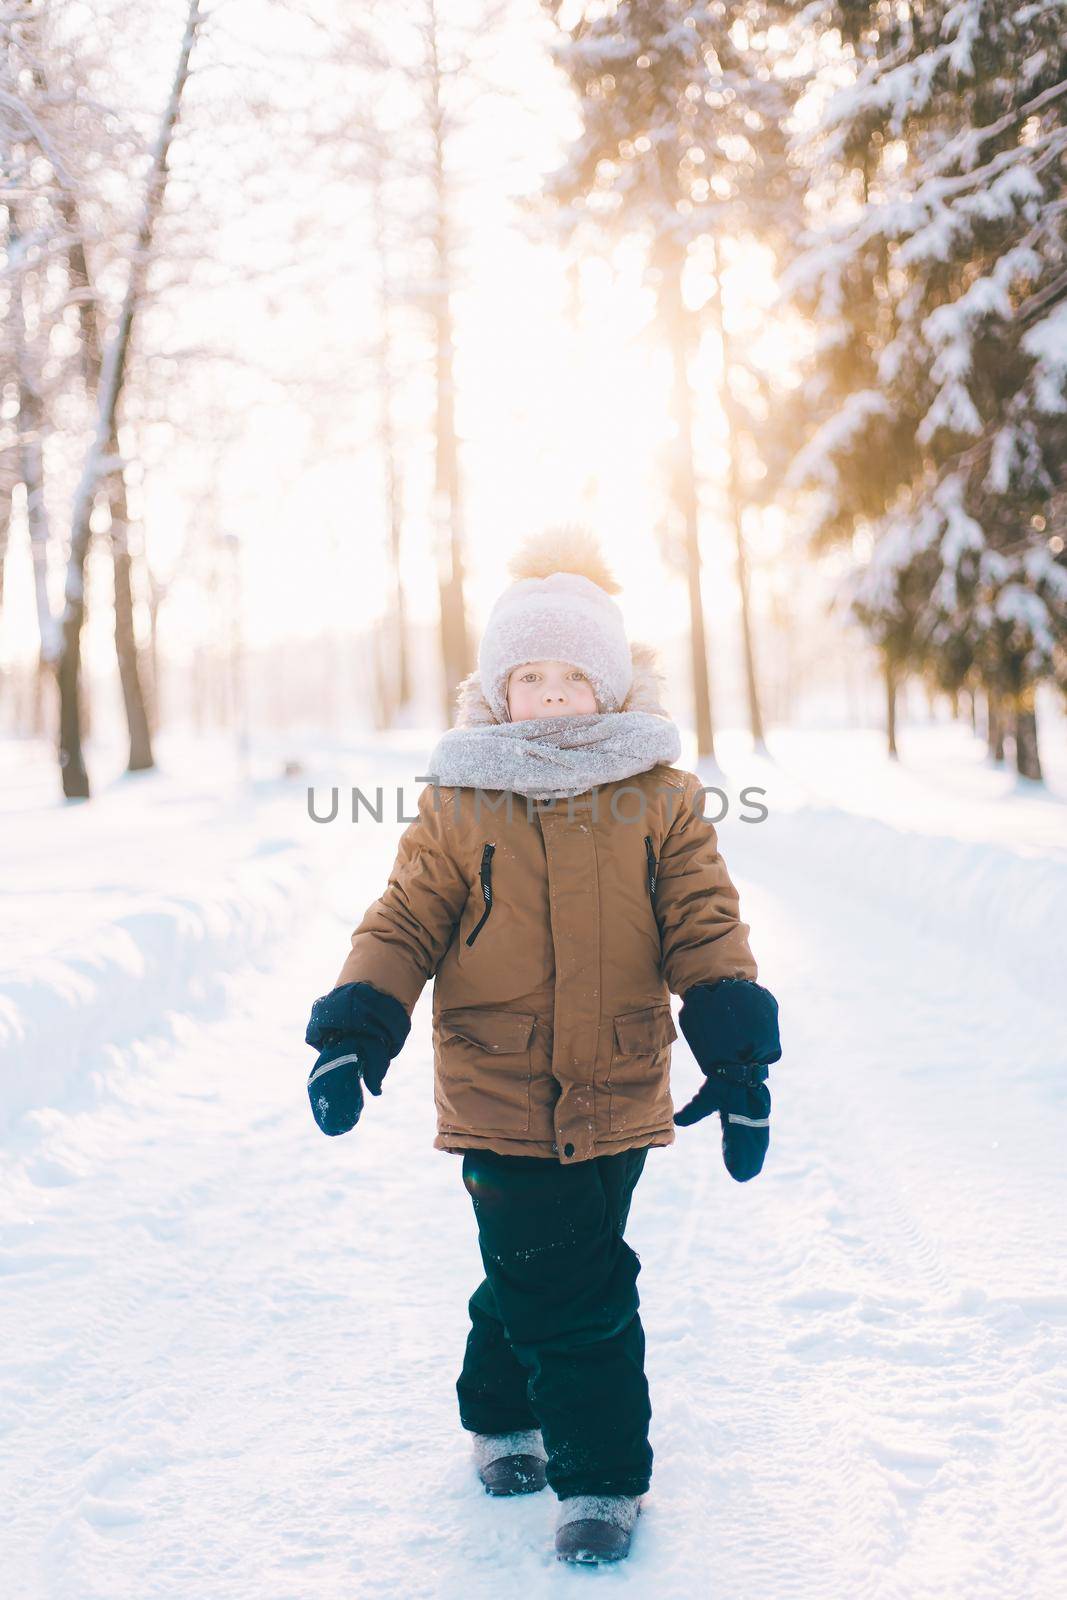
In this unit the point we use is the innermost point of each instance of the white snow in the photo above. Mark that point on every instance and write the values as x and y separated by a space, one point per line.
1047 341
231 1344
816 461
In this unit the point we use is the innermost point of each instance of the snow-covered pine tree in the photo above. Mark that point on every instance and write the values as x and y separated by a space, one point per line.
683 139
939 291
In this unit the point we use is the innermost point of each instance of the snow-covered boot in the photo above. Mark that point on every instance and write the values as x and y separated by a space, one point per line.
596 1527
510 1463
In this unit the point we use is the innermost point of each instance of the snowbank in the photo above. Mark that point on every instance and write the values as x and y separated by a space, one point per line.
59 1017
965 891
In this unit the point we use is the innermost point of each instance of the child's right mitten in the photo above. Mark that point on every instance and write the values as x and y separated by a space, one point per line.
741 1097
731 1026
357 1030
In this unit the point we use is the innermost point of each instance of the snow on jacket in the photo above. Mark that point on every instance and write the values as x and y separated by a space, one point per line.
555 935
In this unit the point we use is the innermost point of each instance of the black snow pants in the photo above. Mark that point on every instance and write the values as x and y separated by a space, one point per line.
555 1340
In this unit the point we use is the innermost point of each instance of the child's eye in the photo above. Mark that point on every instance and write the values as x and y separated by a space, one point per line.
577 673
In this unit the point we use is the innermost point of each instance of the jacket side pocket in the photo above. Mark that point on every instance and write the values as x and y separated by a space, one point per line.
639 1096
484 1066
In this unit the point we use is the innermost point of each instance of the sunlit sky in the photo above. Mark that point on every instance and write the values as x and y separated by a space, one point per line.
563 409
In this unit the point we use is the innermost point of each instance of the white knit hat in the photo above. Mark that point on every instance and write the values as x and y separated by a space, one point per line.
560 609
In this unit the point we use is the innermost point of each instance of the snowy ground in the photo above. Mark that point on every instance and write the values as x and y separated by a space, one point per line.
230 1344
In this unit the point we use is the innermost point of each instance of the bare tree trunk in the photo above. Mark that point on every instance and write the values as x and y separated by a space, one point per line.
755 714
112 375
671 259
31 431
454 642
198 680
155 600
8 480
378 642
890 672
31 425
973 697
994 725
5 532
1027 756
140 758
455 646
400 687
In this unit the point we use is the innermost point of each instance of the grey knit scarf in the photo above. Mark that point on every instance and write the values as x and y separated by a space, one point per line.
554 757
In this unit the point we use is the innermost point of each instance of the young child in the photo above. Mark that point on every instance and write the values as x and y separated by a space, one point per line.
559 883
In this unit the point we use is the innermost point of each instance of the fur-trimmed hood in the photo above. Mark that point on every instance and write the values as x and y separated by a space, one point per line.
646 692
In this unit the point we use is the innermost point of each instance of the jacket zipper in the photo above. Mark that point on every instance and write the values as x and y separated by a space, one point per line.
652 864
487 891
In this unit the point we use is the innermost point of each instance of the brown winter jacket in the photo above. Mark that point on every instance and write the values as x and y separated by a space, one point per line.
552 1025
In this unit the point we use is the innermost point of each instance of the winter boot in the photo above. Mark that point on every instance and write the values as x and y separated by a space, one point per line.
596 1527
510 1463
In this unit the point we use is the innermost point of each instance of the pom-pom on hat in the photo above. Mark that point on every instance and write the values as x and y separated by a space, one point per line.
558 609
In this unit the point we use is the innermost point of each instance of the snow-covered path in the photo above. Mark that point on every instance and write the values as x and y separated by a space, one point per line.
230 1344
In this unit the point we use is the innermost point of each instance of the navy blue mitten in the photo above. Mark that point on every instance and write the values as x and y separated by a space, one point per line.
357 1030
731 1026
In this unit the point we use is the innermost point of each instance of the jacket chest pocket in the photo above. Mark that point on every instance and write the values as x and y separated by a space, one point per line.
639 1094
484 1066
651 869
485 890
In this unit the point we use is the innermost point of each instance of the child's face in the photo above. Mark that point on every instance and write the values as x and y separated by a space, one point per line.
549 689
